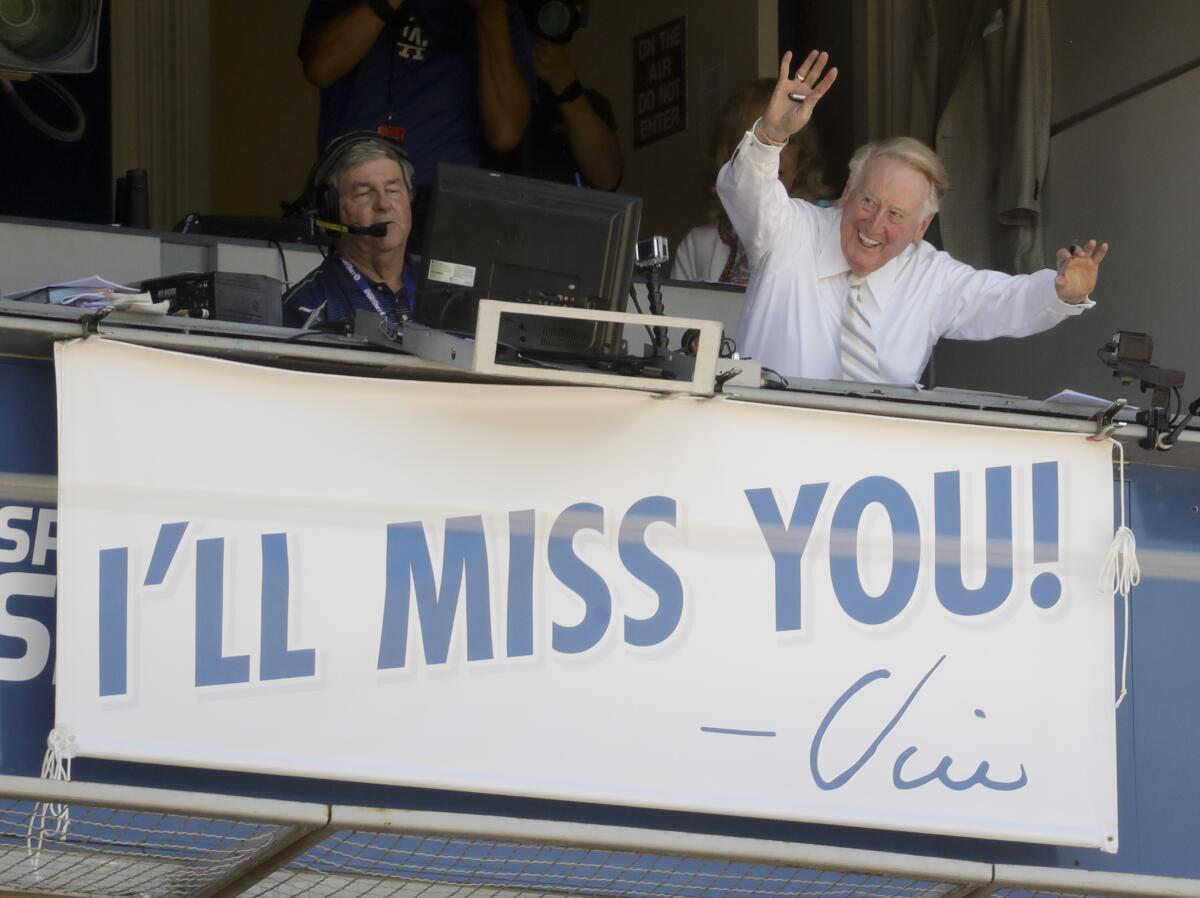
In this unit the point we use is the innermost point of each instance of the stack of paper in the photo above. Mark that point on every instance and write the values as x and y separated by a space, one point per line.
89 293
92 293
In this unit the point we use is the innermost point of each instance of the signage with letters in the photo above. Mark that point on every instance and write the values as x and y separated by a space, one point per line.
28 559
586 594
660 82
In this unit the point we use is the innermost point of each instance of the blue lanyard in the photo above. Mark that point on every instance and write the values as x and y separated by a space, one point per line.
364 287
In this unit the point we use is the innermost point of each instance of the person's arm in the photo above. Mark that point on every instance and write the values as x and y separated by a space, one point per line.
330 49
990 304
593 143
504 104
748 184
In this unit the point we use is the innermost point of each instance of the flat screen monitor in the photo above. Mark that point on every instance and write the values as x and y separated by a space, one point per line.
501 236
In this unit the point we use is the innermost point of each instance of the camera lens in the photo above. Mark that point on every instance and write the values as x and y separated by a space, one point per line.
553 20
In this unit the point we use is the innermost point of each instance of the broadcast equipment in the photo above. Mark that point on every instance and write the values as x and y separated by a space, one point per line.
220 296
506 237
57 37
38 38
652 252
1128 353
650 255
553 20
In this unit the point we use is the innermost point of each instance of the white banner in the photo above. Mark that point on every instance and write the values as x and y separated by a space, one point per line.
586 594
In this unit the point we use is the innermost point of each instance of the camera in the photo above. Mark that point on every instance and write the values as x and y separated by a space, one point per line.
651 252
553 20
1131 346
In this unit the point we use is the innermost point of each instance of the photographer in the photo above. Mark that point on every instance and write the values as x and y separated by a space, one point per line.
572 136
445 76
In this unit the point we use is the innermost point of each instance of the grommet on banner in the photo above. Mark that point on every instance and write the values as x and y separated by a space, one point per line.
1121 572
48 819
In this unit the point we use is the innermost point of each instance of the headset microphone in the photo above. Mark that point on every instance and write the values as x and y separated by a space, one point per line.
379 229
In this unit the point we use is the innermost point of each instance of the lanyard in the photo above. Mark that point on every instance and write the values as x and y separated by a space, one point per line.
365 288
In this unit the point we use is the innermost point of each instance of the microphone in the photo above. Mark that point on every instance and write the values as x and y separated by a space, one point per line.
378 229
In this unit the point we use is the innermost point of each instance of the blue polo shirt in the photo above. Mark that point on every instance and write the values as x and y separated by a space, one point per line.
336 289
421 75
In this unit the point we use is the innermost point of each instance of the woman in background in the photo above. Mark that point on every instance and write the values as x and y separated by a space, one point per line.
712 253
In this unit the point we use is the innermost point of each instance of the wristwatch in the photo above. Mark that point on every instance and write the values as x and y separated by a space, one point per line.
383 9
572 91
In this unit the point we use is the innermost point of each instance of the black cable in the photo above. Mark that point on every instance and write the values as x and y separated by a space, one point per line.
287 281
65 135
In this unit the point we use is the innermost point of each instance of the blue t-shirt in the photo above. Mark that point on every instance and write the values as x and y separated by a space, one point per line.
421 75
336 289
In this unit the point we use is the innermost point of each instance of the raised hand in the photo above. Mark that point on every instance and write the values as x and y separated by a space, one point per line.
1078 268
785 116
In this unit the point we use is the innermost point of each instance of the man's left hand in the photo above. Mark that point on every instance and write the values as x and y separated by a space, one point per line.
1078 268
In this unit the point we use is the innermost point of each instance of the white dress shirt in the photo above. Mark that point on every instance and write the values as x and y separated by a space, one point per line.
799 285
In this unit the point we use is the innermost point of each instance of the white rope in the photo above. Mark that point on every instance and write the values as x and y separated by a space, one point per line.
1120 573
48 819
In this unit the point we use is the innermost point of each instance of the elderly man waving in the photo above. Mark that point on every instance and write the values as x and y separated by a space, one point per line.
853 292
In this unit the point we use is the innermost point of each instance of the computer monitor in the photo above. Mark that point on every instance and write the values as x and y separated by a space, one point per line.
501 236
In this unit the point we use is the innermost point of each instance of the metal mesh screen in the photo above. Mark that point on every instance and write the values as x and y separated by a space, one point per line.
177 844
105 851
380 865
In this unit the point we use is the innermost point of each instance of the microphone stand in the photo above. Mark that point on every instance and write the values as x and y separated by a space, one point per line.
651 255
654 298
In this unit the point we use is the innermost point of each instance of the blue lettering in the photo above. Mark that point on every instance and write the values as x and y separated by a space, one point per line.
787 545
942 774
409 565
1046 588
651 570
213 668
843 550
520 583
165 547
948 580
579 578
865 680
1045 512
278 662
114 620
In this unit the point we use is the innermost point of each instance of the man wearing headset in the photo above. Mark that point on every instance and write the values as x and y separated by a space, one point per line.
362 182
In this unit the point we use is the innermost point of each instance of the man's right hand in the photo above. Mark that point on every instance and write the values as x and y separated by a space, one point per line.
785 116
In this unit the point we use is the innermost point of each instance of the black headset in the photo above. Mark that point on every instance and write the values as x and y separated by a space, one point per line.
323 198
